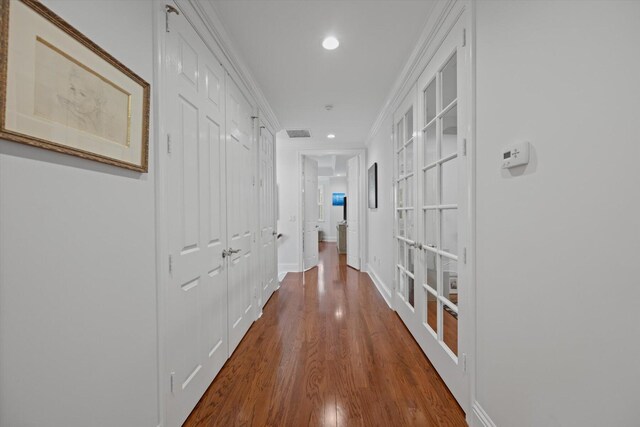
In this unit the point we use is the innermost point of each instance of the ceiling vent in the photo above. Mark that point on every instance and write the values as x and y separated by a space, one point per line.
298 133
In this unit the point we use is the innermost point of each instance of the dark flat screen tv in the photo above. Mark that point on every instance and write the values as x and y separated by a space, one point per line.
344 210
372 186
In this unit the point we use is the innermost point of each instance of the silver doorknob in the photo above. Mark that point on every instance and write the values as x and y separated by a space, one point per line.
233 251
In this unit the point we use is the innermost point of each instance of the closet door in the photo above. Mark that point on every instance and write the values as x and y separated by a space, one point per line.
268 251
196 308
241 208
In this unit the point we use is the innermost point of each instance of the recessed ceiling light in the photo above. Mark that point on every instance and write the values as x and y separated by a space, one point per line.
330 43
331 136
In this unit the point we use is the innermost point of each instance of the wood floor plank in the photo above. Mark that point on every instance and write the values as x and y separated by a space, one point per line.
327 351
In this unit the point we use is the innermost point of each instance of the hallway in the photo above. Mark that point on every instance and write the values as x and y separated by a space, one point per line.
327 352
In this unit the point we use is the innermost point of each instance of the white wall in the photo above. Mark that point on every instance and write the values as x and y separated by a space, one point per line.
78 330
558 242
379 229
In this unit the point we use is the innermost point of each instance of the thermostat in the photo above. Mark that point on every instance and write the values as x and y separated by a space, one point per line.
516 154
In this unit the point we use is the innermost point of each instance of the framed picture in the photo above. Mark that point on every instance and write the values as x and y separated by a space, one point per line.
453 284
62 92
372 186
337 199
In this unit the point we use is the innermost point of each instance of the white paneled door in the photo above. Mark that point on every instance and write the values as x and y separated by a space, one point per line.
310 224
268 233
197 334
212 217
353 213
241 208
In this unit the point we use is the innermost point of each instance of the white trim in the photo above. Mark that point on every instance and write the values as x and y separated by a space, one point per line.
234 63
384 290
331 239
414 65
472 209
281 276
480 417
159 168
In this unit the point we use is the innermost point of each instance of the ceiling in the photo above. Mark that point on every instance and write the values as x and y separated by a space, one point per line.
280 41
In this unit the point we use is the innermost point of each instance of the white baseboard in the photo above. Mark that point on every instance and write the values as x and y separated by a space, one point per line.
384 291
480 416
283 269
330 239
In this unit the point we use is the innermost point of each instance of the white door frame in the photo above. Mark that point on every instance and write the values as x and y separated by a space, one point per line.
361 153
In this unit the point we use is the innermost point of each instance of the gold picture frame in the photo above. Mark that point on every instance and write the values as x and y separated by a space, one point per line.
62 92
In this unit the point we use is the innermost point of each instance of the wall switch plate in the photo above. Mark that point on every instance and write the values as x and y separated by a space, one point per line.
516 154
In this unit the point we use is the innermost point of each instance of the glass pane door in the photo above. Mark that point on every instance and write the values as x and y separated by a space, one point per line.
405 147
439 175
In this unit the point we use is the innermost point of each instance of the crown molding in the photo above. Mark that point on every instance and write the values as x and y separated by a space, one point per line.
210 17
414 65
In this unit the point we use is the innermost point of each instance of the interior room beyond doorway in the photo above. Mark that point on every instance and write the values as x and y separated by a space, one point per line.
332 190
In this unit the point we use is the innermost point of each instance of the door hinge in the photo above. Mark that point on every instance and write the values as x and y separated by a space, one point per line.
464 362
464 147
170 264
168 143
464 37
167 10
464 255
171 380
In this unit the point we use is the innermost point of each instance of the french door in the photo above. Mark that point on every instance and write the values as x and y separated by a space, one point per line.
405 210
268 258
432 216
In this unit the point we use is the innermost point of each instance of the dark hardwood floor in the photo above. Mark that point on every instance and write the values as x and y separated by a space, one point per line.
327 351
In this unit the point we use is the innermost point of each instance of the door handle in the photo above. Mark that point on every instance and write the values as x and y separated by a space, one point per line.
275 233
225 253
233 251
